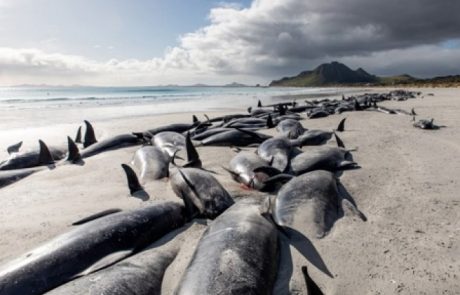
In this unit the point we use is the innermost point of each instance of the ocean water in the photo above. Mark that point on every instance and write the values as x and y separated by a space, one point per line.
52 113
39 97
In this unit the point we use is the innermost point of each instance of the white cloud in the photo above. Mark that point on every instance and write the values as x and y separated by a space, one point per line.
269 39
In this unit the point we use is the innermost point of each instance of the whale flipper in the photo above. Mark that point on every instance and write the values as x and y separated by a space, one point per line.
270 171
78 136
96 216
339 141
279 178
45 157
73 154
90 137
192 202
347 165
14 148
352 208
106 261
133 181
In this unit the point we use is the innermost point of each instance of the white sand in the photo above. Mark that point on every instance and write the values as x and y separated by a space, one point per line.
408 188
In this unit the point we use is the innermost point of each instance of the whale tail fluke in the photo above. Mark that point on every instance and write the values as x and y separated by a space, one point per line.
14 148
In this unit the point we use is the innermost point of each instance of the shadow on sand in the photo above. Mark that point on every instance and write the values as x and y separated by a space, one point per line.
305 247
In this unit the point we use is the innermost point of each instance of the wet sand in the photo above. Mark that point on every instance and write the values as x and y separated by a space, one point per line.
408 187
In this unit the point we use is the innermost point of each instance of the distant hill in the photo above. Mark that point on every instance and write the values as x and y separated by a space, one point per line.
235 84
327 74
338 74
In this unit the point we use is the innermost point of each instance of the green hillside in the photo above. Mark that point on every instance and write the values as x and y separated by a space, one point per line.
338 74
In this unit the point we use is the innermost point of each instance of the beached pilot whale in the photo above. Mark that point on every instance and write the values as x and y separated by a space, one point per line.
427 124
316 137
278 151
311 203
237 254
34 158
323 158
202 190
169 142
290 128
237 137
140 274
93 147
45 162
152 163
242 170
89 247
177 127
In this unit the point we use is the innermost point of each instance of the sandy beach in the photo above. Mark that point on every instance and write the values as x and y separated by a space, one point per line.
408 188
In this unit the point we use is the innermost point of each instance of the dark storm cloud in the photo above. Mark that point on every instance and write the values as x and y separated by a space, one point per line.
278 36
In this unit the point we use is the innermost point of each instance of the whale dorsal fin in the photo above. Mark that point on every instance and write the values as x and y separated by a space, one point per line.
14 148
357 106
193 158
90 137
44 157
78 136
133 181
73 152
341 126
195 119
270 123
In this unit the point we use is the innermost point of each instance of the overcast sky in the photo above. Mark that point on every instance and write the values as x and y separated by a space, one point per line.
152 42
